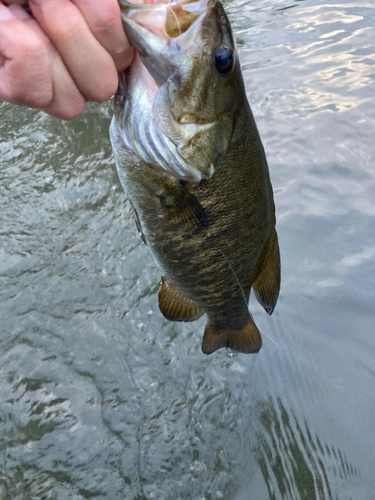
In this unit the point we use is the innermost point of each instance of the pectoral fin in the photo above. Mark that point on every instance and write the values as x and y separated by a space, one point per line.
246 339
138 223
185 211
267 284
175 305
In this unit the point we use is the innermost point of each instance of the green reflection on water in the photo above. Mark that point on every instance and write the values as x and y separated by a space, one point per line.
295 461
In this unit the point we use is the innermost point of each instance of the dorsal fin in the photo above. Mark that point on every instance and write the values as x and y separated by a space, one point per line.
175 305
267 284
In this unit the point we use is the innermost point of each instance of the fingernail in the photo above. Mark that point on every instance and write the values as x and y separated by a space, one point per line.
5 13
120 47
118 43
19 12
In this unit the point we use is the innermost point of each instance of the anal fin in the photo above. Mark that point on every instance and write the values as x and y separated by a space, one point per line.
267 284
175 305
246 339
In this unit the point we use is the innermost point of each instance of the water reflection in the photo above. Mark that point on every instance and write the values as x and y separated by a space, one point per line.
294 463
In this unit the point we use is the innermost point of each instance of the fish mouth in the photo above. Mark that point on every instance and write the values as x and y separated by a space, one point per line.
161 32
165 19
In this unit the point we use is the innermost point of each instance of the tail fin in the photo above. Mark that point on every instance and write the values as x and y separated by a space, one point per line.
246 339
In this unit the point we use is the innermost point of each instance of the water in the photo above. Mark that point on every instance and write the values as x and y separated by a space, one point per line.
103 398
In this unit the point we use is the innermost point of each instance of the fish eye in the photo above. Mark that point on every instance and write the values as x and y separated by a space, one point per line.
223 60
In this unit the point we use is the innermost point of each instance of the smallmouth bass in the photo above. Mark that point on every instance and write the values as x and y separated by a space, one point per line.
190 159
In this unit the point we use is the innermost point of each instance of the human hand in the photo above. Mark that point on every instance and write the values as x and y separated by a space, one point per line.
66 53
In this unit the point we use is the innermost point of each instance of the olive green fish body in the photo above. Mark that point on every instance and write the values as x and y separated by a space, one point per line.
211 236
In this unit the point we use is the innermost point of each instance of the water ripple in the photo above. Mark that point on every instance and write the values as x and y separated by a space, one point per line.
101 396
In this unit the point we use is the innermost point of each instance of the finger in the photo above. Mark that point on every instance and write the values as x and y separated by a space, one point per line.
67 102
89 64
104 20
25 76
19 2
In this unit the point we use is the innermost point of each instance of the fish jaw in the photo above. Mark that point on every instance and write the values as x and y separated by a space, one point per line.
170 36
152 49
166 18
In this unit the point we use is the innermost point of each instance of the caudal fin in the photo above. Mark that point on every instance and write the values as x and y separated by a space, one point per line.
246 339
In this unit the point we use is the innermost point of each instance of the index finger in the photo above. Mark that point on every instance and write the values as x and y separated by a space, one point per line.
104 20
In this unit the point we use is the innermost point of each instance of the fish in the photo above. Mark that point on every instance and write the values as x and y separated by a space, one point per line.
191 161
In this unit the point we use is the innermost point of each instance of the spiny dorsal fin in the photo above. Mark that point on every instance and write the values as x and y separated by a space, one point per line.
267 284
246 339
175 305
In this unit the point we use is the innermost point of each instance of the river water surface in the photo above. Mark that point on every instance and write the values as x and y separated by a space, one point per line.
100 396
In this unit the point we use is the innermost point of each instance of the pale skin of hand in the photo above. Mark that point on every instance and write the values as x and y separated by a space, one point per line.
67 53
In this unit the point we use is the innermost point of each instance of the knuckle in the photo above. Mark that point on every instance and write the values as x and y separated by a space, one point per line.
27 79
38 90
68 102
34 50
26 88
62 32
106 23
